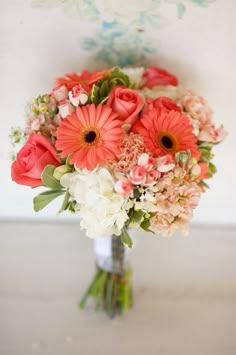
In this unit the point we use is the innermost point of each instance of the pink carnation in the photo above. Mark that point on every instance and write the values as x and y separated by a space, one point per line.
131 147
198 109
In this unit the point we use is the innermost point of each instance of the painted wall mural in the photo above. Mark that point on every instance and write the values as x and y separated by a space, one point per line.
122 26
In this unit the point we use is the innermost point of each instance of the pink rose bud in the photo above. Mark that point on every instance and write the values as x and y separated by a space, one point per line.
66 109
78 96
60 93
137 175
124 188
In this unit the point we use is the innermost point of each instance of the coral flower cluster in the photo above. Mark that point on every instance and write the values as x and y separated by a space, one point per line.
126 147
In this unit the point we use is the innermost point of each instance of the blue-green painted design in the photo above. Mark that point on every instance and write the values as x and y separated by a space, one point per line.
113 45
121 36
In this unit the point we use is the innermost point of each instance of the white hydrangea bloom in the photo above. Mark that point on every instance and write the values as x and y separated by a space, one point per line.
101 209
135 75
173 92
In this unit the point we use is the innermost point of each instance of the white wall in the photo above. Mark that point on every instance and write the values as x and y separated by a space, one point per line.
36 45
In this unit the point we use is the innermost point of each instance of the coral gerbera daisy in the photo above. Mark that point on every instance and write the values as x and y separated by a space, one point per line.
166 132
85 78
91 135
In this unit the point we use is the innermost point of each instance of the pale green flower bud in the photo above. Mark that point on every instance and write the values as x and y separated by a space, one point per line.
60 171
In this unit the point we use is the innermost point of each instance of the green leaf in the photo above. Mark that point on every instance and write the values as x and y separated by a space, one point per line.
121 77
117 81
104 90
183 156
65 203
138 215
206 154
125 238
45 198
69 166
137 193
72 206
104 100
48 178
204 184
145 225
212 167
205 145
95 94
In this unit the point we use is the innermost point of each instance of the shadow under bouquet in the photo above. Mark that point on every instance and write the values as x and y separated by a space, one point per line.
128 148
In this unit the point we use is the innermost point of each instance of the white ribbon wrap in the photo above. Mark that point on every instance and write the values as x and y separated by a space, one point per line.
103 252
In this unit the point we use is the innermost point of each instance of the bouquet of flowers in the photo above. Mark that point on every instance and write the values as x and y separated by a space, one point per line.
128 148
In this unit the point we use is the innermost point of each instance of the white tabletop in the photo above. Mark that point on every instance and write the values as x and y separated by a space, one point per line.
184 293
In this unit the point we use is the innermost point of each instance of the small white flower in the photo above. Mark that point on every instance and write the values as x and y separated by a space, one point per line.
66 109
81 99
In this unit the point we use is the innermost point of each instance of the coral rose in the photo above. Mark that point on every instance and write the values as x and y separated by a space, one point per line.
158 76
32 159
127 103
163 103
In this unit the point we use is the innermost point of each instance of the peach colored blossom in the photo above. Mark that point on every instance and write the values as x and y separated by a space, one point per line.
176 198
197 108
208 133
60 93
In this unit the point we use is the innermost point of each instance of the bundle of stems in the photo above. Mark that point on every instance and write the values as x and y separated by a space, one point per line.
111 290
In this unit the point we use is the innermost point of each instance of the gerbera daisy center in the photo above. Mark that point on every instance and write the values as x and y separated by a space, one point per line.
167 142
90 136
